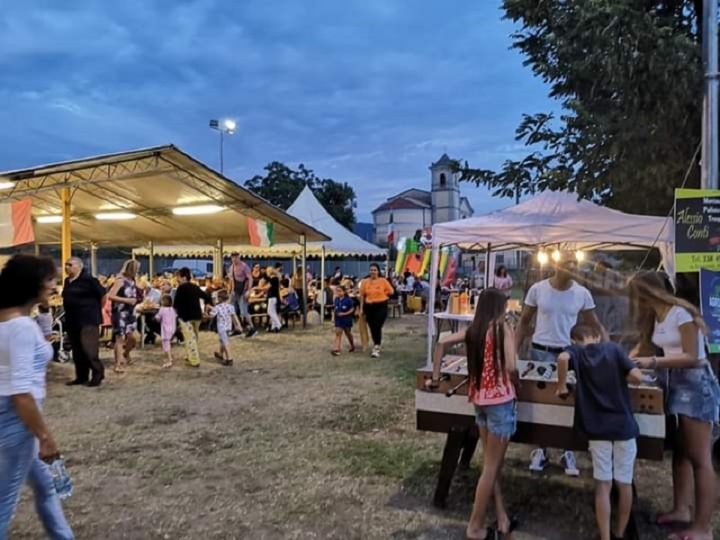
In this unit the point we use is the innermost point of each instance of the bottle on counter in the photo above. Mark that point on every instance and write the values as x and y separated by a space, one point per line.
464 302
454 303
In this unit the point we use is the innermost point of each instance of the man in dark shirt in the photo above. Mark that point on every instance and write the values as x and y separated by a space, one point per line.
604 414
189 312
83 298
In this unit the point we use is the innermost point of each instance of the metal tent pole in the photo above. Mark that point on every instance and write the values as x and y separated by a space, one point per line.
709 176
303 241
322 286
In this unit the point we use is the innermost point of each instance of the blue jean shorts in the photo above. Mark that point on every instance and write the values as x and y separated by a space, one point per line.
538 355
694 393
500 420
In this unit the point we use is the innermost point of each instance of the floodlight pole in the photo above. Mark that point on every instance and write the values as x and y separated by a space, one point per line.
710 131
222 165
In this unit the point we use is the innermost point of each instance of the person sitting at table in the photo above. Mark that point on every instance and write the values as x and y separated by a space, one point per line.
289 301
148 309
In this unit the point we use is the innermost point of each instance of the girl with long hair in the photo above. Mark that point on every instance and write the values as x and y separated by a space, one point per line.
692 394
491 360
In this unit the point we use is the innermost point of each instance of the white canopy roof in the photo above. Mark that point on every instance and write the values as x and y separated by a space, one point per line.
307 209
557 217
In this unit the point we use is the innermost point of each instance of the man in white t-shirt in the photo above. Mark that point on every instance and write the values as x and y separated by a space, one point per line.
557 303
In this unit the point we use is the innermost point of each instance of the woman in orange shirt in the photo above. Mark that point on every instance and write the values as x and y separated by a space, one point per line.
375 291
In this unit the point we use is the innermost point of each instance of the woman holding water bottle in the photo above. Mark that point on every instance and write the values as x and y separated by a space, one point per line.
26 444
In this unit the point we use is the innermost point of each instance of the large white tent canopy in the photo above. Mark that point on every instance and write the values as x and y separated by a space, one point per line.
558 218
306 209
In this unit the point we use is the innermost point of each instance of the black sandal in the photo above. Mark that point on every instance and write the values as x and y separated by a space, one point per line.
491 533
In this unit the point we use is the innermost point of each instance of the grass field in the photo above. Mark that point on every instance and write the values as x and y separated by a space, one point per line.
290 443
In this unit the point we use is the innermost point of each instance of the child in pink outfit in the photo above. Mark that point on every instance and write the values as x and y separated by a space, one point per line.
168 327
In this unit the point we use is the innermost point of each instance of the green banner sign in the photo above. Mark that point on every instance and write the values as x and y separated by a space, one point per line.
697 230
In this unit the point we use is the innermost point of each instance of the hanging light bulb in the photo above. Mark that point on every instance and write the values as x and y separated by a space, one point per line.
580 256
542 257
556 255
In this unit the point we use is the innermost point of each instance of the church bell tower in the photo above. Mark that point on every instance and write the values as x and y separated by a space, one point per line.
445 191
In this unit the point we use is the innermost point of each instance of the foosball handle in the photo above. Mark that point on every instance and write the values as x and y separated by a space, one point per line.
454 389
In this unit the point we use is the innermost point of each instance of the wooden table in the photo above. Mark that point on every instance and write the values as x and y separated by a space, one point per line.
544 420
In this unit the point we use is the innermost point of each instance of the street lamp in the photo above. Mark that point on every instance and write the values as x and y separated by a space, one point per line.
227 127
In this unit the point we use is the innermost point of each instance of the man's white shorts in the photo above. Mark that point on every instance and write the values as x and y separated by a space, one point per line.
613 460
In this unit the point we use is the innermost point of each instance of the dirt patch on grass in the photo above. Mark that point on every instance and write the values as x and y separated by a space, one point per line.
290 443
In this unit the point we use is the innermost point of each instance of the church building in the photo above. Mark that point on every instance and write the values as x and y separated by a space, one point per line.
415 209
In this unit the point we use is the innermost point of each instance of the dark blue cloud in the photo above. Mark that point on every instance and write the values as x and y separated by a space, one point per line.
365 91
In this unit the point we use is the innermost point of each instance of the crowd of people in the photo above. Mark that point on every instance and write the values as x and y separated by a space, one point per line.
568 333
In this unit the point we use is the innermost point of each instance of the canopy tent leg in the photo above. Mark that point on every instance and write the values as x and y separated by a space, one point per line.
37 249
219 263
151 259
489 265
303 242
93 259
322 286
294 263
66 233
434 269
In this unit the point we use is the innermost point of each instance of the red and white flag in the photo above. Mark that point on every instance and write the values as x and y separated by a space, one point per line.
391 230
16 226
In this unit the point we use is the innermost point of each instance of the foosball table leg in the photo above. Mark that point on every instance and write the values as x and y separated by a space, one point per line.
451 454
471 441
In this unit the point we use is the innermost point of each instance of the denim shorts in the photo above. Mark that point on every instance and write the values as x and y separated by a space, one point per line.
694 393
538 355
500 420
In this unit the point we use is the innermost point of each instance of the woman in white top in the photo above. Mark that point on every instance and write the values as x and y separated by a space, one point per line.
692 393
26 445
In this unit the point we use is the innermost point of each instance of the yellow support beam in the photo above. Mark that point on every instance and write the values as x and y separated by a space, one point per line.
66 235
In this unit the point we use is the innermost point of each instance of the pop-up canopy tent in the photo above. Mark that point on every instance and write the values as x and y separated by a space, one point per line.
553 219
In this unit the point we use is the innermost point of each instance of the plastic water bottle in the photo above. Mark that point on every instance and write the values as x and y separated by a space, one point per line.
61 479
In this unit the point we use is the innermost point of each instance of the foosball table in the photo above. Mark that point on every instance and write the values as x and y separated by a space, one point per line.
544 419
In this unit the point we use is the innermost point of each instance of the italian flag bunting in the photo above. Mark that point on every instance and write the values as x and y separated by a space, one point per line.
261 232
16 226
391 229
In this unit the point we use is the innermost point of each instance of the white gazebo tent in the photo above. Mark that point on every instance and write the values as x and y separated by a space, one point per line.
307 209
553 218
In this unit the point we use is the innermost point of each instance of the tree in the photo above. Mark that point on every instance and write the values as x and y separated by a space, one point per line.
281 185
628 76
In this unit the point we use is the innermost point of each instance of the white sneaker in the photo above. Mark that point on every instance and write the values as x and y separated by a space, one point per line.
538 460
567 461
375 352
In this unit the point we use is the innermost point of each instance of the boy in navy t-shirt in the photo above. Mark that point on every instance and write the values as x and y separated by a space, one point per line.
604 414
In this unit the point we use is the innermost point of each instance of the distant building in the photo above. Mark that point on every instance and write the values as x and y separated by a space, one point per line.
415 209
